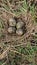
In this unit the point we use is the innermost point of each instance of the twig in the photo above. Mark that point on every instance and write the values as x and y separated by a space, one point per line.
4 54
8 12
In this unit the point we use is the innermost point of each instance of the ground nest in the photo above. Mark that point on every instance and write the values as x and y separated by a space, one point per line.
26 27
18 32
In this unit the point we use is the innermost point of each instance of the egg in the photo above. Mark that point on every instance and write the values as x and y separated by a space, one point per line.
19 25
12 22
11 30
19 32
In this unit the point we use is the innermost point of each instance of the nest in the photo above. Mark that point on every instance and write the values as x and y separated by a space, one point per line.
26 18
13 46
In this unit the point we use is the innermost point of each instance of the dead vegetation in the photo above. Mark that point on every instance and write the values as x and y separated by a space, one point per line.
17 49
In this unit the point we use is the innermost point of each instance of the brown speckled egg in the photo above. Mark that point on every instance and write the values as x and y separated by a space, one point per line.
19 32
12 22
11 30
19 25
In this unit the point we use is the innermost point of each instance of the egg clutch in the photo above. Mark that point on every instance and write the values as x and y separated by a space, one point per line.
16 27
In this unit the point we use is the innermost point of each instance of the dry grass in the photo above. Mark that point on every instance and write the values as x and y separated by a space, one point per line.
14 49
